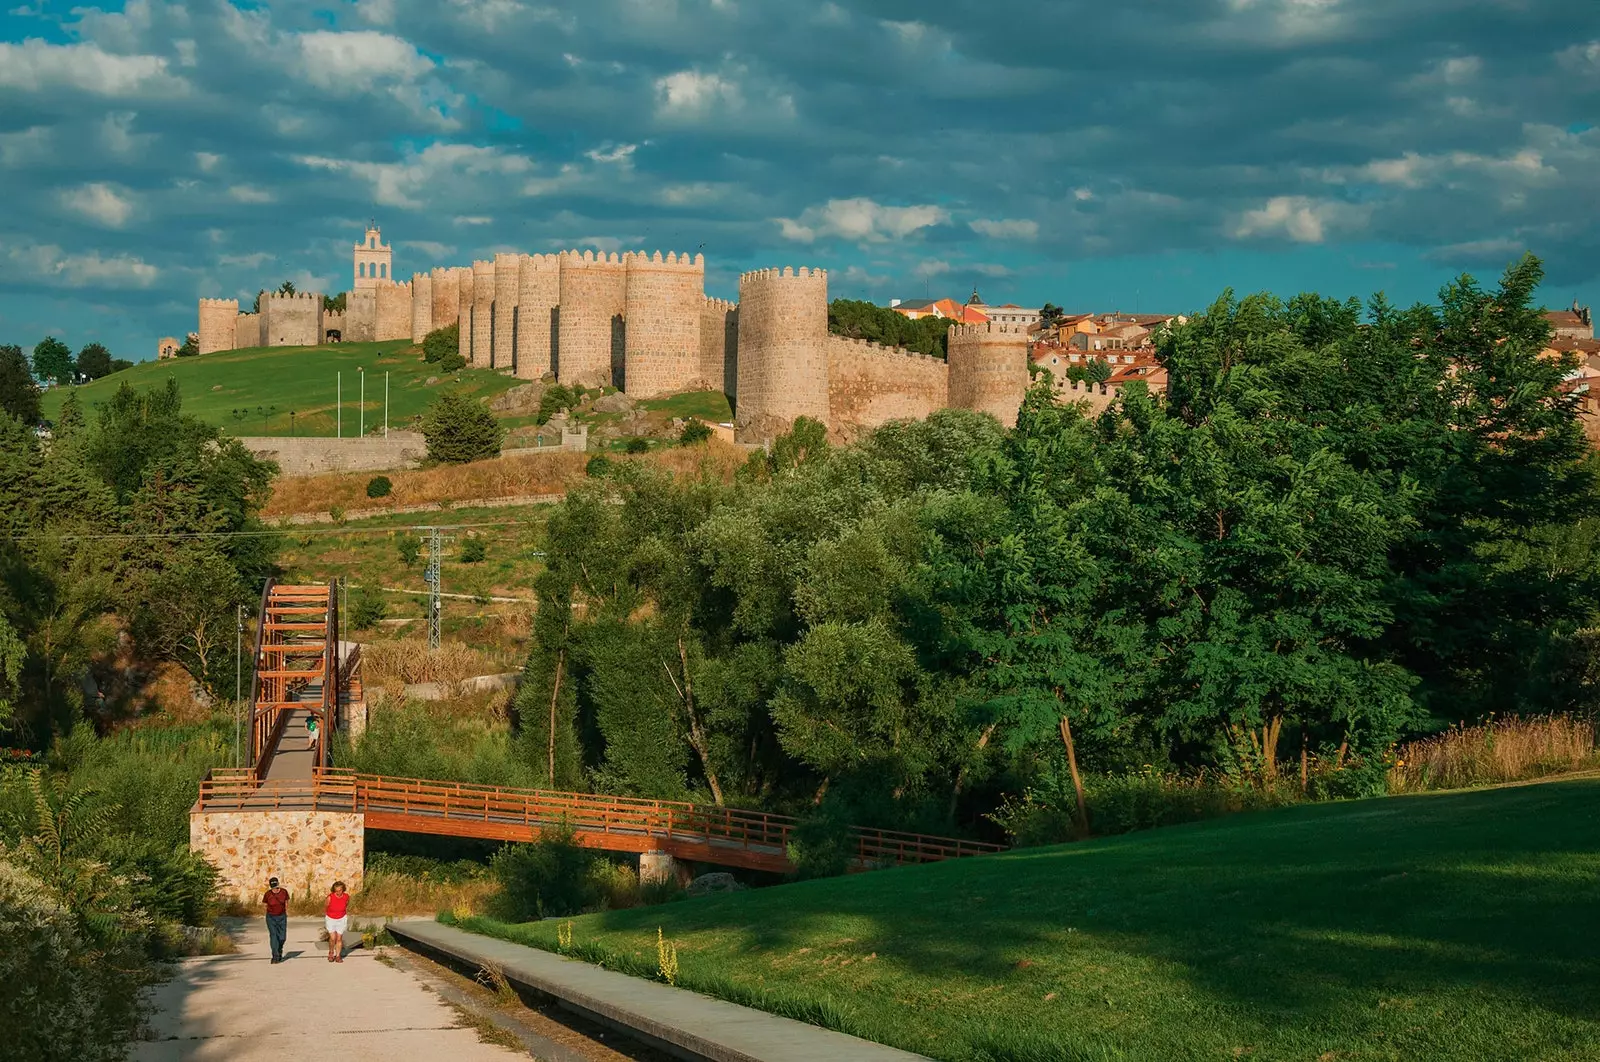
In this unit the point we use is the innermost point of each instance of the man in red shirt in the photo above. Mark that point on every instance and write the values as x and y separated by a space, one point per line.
277 904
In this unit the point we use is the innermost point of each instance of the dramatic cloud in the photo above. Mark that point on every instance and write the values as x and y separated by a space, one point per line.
1090 154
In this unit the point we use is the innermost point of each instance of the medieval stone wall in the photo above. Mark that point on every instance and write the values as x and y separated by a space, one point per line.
393 311
989 369
483 292
291 320
333 321
217 329
446 297
361 315
306 455
507 288
719 346
421 306
870 385
538 293
247 331
466 291
661 309
593 298
783 360
307 851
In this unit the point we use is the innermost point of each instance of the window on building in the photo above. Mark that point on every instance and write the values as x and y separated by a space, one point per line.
383 270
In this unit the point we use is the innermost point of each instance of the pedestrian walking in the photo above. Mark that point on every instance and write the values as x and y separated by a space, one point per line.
276 901
311 735
337 918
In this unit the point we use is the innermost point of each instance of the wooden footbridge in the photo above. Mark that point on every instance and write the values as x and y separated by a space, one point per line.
303 672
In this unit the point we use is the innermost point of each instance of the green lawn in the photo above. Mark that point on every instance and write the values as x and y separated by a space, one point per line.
1455 926
709 406
251 392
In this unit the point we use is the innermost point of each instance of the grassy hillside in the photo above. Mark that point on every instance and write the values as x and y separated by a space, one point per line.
252 391
1455 926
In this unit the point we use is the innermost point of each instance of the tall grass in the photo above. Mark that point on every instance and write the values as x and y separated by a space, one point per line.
1501 750
392 665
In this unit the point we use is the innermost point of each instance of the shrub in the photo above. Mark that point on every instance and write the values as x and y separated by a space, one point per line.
551 876
368 607
460 429
1501 750
441 343
410 548
379 487
638 446
555 399
597 467
823 843
694 432
452 363
473 550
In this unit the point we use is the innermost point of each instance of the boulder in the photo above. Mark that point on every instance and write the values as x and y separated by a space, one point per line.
521 399
718 881
613 403
430 381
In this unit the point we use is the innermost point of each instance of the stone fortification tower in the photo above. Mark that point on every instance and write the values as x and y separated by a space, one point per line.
465 293
291 320
593 299
374 260
719 346
783 361
989 369
393 311
361 315
421 306
446 293
482 314
217 324
507 272
662 315
538 294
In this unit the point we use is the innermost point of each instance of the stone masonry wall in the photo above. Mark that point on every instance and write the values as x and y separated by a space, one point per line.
538 291
308 455
719 343
662 311
870 385
361 315
393 311
291 320
446 296
247 331
421 306
483 286
307 851
593 297
783 360
507 286
989 369
465 293
333 321
216 326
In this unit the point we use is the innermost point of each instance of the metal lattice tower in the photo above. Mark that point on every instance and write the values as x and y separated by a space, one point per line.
430 575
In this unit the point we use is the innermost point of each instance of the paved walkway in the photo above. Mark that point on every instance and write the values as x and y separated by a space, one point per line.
241 1008
709 1028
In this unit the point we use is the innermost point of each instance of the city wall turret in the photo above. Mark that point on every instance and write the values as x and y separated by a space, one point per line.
988 369
446 296
783 361
538 294
291 320
589 329
421 306
483 292
216 329
465 293
393 311
662 315
507 288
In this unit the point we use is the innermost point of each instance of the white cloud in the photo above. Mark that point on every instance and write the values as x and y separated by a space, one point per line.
48 263
861 220
36 65
188 52
620 153
1582 58
1491 250
931 267
1300 218
1461 68
375 12
99 202
1082 194
1286 21
438 168
690 93
358 60
1006 228
31 146
116 133
206 160
478 219
246 193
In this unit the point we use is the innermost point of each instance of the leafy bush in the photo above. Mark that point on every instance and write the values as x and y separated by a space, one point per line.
473 550
368 607
555 399
441 343
410 548
551 876
452 363
598 466
637 446
460 429
379 487
696 431
822 843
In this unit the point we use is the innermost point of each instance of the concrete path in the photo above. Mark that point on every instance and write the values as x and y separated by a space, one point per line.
241 1008
699 1025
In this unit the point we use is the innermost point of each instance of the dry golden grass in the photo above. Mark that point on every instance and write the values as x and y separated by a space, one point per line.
392 665
501 477
392 894
1502 750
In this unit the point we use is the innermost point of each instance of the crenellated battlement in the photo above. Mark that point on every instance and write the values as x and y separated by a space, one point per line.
575 260
787 272
299 296
874 348
218 303
720 305
1010 331
641 260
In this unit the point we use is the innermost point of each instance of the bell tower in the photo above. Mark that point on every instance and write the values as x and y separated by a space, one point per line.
374 260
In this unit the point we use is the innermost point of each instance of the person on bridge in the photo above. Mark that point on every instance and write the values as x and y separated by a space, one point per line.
277 904
336 918
311 735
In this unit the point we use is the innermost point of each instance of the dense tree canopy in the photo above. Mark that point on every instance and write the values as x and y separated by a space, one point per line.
19 392
865 320
94 361
52 361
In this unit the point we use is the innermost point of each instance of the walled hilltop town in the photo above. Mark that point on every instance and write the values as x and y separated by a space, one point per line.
643 323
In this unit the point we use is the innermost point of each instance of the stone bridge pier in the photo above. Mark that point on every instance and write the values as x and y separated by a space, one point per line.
306 850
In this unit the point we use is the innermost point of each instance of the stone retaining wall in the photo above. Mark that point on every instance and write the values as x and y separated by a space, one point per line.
307 455
307 851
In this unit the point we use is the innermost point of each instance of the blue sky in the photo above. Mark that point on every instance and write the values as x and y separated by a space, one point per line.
1145 153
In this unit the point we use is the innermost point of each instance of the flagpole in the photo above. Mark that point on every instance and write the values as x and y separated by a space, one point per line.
338 405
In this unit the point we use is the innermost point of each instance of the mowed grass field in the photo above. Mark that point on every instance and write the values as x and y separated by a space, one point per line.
253 391
1458 926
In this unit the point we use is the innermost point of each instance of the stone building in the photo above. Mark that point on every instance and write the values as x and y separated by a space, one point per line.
373 261
166 348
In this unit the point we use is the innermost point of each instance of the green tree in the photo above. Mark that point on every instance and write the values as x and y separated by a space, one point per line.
1049 314
12 653
459 429
441 343
368 607
696 431
70 420
94 361
191 343
52 360
334 303
19 392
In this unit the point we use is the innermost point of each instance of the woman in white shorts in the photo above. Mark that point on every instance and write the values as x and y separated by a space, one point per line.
337 919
